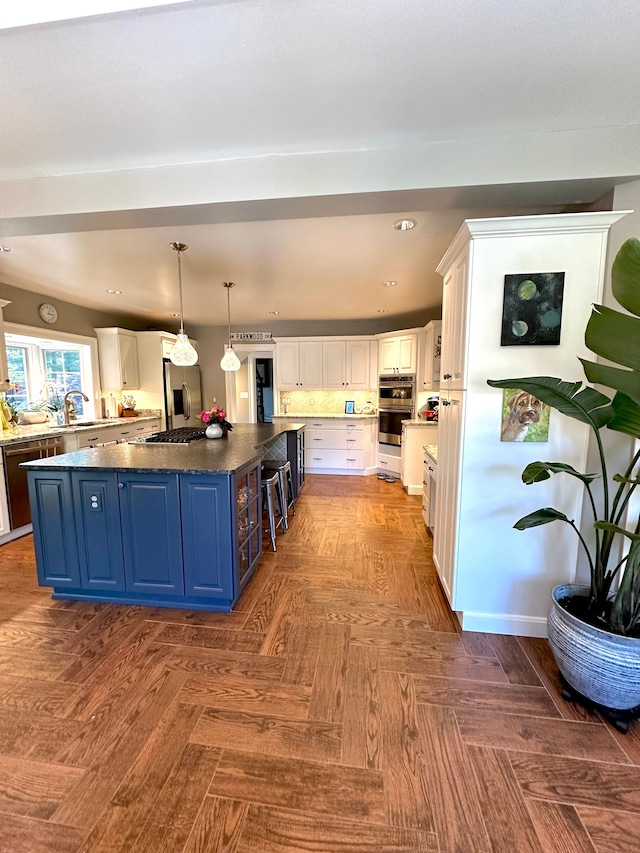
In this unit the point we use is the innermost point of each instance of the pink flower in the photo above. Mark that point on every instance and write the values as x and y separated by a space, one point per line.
205 417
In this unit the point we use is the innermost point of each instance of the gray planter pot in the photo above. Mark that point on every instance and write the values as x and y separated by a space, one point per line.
603 667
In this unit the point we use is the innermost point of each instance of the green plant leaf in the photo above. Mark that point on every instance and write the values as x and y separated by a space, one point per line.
627 416
625 275
540 516
583 404
613 528
627 381
614 336
536 472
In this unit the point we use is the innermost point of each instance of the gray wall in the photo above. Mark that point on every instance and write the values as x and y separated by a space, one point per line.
73 319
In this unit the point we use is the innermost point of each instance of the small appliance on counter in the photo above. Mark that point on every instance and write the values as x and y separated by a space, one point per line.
429 412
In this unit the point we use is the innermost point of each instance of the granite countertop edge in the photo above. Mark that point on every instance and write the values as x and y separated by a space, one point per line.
326 415
432 451
224 456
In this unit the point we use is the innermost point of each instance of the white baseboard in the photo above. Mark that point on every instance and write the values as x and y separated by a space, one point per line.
503 623
413 490
349 472
16 534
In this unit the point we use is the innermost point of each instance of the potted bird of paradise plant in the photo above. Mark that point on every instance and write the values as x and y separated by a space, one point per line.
594 630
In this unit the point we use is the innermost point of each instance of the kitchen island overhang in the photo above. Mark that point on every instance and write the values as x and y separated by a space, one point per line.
172 526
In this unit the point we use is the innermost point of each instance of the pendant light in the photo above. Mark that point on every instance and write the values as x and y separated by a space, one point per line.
182 354
230 360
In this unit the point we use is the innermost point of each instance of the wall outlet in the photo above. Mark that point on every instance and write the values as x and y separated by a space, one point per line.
244 395
312 402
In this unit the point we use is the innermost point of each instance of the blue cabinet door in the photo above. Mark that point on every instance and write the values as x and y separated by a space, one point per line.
54 529
209 570
151 535
95 495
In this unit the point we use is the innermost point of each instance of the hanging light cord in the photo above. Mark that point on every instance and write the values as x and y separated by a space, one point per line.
229 312
180 283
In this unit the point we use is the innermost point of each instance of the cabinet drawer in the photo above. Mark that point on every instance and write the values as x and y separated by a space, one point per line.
334 458
335 424
333 439
93 437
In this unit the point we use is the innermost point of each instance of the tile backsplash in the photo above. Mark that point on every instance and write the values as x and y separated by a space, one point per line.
324 401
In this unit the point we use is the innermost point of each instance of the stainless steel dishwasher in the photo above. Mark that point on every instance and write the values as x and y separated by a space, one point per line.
16 477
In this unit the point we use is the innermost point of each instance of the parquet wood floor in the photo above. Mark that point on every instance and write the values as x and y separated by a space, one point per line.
338 709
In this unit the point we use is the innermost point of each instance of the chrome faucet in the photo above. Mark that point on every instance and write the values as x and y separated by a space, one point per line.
69 408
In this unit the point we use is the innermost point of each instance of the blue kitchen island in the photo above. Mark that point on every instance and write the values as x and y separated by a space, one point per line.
159 525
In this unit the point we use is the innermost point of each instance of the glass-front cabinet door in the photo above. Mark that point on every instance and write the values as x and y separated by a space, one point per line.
248 529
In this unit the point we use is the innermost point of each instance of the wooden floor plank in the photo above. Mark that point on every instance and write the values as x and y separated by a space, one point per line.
178 803
211 638
242 693
559 828
583 783
34 788
24 835
538 735
361 721
206 662
503 807
274 830
217 826
612 831
514 661
39 663
509 698
443 665
31 734
406 795
327 696
300 785
22 694
269 734
449 779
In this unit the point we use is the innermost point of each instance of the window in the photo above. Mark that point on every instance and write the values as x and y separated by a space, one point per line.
43 370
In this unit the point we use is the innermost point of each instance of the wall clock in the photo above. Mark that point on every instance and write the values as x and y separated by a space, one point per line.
48 313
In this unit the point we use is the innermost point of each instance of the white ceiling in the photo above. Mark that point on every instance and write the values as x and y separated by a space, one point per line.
246 81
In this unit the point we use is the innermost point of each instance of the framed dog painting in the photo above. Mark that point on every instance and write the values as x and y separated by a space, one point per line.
524 417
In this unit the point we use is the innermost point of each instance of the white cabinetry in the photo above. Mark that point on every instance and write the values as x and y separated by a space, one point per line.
152 348
118 434
429 489
4 369
118 354
340 445
497 578
347 364
455 294
299 365
432 356
414 437
398 354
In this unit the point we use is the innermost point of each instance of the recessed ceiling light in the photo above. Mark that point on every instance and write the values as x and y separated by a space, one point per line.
274 312
389 283
383 310
116 292
5 249
404 224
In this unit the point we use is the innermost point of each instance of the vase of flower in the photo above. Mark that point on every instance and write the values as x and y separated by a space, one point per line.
215 420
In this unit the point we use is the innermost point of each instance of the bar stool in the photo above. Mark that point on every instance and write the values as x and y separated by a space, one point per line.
272 497
285 476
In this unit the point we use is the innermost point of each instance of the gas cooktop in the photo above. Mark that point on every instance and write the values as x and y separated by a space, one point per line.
182 435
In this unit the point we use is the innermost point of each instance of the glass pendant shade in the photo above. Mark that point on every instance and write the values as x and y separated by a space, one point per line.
183 354
230 360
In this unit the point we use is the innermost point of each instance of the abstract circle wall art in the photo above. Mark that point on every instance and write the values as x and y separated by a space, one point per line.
532 308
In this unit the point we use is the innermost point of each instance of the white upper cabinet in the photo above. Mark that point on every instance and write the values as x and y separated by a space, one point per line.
347 364
432 355
454 322
299 365
398 354
118 354
4 368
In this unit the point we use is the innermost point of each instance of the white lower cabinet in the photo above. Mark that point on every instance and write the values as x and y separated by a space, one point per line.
414 437
101 435
4 504
340 445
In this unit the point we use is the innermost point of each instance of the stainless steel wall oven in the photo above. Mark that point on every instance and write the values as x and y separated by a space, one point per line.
396 403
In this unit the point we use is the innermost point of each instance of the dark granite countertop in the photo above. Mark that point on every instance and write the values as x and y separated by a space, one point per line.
208 456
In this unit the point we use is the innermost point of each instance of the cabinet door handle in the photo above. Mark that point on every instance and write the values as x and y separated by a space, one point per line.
350 460
317 458
430 468
447 376
446 402
121 485
316 439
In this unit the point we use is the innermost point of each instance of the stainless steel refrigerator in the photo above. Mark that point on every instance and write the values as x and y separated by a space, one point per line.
182 395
